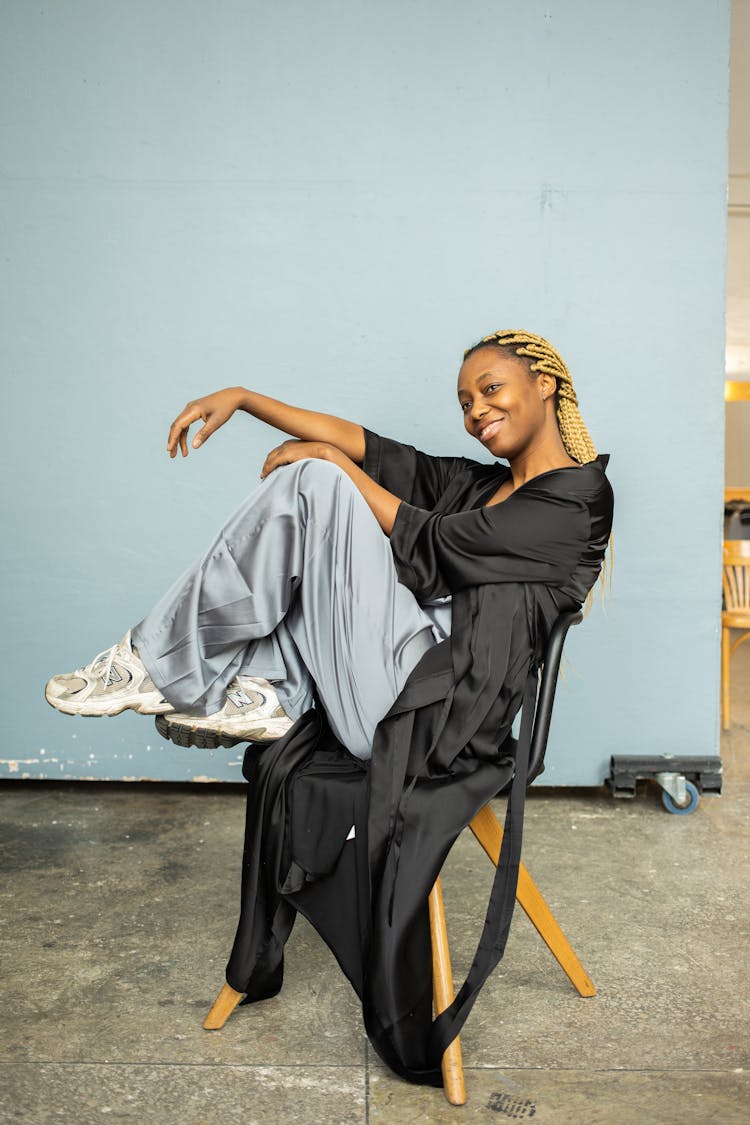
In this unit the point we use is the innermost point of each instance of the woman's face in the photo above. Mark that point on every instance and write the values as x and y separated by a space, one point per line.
503 406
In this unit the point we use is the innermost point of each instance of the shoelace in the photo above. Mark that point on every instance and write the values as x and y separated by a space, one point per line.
109 654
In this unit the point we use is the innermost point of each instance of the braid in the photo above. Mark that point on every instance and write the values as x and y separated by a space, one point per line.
544 358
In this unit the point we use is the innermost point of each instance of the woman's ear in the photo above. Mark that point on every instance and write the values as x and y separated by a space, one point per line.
547 384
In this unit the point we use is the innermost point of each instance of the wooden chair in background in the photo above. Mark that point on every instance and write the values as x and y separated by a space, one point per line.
735 614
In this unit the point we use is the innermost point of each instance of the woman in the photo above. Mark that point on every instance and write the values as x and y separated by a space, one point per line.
410 598
210 659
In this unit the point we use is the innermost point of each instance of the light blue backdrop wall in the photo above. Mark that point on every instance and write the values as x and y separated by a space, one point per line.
327 202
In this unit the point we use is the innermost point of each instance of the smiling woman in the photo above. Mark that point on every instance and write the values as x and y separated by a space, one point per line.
511 414
494 362
371 603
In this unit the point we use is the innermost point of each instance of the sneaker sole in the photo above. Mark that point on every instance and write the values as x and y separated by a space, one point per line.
66 708
184 734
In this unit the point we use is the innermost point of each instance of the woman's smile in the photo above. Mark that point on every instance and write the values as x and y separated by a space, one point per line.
487 430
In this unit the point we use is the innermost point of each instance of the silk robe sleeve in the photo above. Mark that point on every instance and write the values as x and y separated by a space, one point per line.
419 478
537 535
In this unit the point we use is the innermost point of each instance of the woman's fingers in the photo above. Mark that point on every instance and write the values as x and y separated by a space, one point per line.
214 410
179 428
281 455
290 451
268 466
213 421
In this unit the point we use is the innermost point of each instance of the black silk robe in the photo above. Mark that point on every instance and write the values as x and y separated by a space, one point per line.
438 755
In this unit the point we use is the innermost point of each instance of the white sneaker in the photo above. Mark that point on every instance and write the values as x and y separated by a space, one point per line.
114 681
251 713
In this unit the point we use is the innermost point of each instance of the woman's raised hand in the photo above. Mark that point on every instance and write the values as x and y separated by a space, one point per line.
214 410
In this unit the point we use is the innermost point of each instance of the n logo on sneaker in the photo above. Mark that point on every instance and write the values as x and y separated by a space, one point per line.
114 677
241 699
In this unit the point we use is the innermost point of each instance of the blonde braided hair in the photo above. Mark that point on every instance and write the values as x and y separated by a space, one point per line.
573 431
575 436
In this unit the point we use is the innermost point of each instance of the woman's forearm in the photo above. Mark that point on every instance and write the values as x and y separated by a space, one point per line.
383 504
308 425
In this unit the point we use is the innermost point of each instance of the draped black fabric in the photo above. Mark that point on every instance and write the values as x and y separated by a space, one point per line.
438 755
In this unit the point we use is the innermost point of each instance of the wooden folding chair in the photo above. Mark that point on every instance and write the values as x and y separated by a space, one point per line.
489 833
735 614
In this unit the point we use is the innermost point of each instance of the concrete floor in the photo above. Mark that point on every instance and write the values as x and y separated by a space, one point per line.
119 905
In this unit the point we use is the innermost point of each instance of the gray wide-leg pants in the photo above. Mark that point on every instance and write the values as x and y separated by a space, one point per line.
299 587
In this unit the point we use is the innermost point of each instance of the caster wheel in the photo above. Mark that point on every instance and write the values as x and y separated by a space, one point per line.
681 810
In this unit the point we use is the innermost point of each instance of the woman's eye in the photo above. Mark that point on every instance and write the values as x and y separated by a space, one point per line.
464 406
492 387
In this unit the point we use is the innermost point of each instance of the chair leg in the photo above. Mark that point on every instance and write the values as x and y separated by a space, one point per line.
452 1065
725 658
442 984
222 1008
489 833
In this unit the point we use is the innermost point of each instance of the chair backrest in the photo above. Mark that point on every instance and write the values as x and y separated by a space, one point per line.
546 694
735 579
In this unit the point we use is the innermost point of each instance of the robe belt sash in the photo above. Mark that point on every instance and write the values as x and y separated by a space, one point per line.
497 922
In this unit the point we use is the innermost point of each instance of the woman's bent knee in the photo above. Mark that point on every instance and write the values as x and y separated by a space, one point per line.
307 468
314 468
315 477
